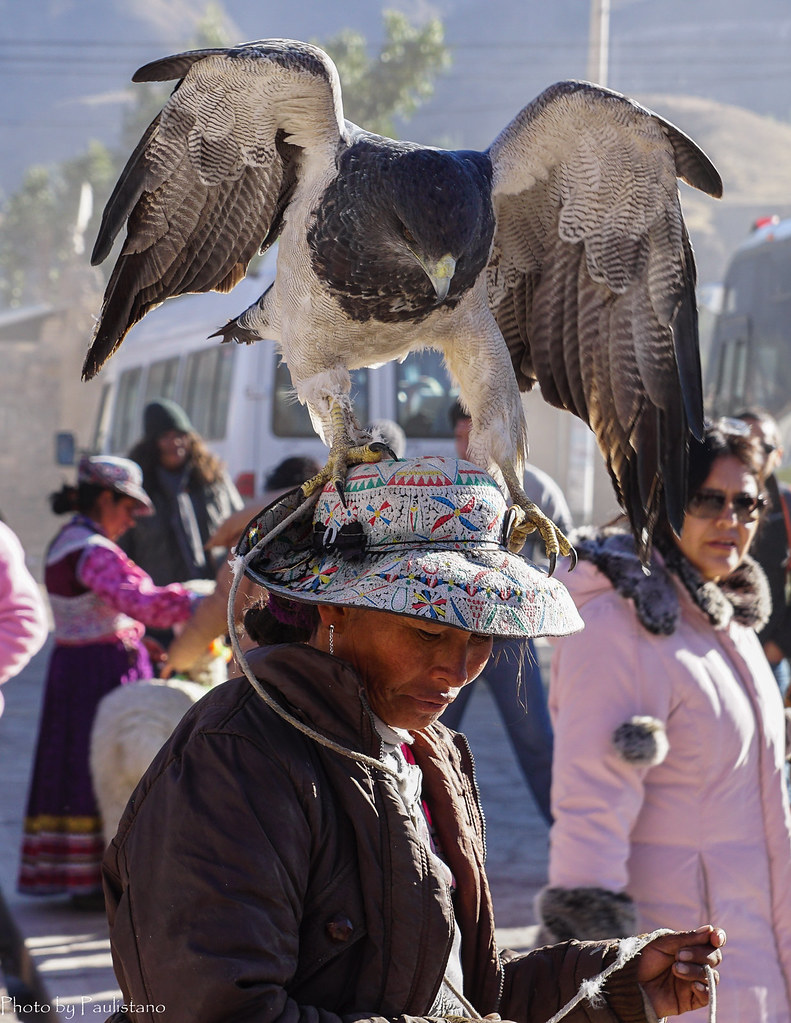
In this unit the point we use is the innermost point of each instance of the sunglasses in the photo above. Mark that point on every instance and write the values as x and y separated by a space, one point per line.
711 504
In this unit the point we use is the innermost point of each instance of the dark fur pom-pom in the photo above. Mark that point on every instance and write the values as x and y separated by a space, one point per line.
641 740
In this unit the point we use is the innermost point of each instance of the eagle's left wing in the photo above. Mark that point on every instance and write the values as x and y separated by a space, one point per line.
592 281
209 182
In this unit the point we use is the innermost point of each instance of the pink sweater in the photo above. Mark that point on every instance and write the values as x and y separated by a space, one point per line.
97 593
23 614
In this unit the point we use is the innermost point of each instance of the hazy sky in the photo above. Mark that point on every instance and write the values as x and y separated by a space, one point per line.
65 65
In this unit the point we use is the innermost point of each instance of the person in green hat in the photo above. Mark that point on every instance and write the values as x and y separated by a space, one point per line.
191 494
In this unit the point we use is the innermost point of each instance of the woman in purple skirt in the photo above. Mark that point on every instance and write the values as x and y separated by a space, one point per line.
101 602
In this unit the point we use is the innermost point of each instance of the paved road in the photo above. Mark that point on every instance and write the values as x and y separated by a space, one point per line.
64 955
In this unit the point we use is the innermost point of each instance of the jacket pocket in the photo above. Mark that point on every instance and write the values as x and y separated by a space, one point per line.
332 927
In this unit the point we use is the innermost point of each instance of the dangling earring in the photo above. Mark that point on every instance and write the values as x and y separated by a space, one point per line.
332 641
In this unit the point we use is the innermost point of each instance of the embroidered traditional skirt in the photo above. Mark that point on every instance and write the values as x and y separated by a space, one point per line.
62 846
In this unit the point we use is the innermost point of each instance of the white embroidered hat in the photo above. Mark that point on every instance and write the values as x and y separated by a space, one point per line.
423 537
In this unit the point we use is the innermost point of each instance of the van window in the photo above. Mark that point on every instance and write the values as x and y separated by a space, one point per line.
291 419
161 379
424 395
124 420
102 419
207 390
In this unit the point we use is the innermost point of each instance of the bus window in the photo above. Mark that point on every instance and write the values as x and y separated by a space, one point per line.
424 395
291 419
207 390
161 379
102 419
730 383
125 426
751 345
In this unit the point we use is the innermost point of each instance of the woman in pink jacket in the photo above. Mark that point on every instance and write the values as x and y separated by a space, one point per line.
668 790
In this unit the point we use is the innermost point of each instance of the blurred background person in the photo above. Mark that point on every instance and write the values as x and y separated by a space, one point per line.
211 618
668 788
513 674
772 546
538 485
191 494
23 613
291 472
100 603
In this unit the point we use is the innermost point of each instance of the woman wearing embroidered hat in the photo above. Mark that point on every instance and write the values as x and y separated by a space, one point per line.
100 603
309 843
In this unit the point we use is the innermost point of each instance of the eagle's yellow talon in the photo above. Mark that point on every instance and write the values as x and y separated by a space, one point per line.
343 454
529 519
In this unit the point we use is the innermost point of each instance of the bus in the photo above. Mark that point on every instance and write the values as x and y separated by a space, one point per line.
749 363
240 398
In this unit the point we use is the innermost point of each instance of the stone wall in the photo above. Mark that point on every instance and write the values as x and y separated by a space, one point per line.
41 352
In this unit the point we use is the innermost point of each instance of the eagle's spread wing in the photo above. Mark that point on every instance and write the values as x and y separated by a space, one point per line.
592 280
208 184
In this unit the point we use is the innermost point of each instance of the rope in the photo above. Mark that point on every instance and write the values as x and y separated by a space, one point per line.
589 989
238 566
468 1007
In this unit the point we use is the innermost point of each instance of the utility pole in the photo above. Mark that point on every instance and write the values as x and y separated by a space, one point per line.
581 447
599 42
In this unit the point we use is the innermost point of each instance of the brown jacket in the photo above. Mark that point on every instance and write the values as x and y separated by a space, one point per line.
257 875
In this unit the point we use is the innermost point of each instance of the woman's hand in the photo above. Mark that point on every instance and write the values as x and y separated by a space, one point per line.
671 969
156 652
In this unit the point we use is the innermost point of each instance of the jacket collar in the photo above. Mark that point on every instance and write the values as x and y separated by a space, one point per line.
743 597
324 691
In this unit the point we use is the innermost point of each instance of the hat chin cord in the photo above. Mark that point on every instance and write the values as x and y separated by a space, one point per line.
628 948
238 567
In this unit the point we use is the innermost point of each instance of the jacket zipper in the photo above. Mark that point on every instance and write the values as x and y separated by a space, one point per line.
478 806
482 819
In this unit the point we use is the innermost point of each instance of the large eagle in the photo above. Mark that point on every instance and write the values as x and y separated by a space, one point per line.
559 256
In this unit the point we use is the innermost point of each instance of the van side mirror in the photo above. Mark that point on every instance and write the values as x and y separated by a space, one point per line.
65 448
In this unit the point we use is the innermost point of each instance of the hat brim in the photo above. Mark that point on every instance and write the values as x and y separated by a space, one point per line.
139 495
479 589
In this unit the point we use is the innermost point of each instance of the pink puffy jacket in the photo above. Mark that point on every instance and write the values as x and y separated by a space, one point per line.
23 615
704 835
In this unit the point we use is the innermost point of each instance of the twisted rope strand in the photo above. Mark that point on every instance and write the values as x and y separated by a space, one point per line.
238 566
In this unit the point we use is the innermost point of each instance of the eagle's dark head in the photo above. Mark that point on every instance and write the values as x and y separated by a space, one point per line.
403 229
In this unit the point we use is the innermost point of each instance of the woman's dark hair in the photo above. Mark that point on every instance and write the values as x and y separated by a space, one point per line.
81 498
205 467
723 438
274 619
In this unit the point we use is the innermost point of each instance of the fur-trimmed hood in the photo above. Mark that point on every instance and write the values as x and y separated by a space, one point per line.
743 597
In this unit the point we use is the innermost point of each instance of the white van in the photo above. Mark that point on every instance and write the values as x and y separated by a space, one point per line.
240 398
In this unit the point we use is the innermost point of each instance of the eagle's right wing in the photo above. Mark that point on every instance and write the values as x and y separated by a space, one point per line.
209 182
592 281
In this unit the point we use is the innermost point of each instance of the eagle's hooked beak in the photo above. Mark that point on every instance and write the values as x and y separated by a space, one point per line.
440 275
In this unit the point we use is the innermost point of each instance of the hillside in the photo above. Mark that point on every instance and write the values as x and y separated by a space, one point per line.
717 68
752 154
65 65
